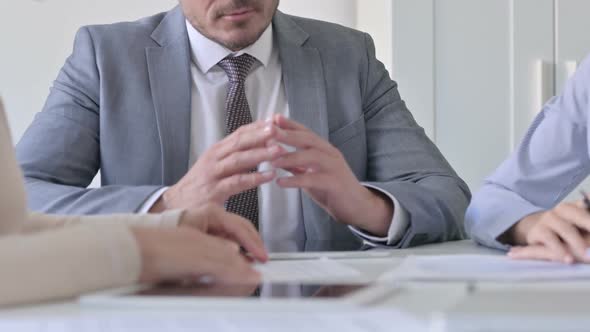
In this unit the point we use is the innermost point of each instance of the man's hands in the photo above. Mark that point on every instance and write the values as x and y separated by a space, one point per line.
224 170
322 172
318 168
560 235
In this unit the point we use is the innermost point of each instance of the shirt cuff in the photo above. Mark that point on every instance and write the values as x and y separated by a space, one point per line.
399 223
147 205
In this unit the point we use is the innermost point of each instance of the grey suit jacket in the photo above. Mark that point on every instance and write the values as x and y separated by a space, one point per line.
122 104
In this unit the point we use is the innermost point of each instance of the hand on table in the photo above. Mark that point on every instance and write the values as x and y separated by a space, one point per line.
181 254
321 171
214 220
560 235
207 243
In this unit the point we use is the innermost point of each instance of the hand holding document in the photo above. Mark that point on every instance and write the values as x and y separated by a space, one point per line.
482 268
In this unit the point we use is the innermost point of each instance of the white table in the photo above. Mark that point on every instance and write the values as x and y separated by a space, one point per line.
420 298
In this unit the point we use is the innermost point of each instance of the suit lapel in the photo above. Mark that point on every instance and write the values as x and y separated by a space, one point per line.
303 76
170 82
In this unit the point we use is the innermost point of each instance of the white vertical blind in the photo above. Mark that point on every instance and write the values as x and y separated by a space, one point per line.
413 49
473 84
375 17
493 64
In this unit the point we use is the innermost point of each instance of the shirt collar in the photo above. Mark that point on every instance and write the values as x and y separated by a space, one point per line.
206 53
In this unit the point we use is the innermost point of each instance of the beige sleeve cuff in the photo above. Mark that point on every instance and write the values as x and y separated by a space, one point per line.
41 222
166 219
67 262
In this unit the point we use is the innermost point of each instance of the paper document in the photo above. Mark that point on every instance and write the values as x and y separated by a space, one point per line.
360 321
484 268
333 255
313 270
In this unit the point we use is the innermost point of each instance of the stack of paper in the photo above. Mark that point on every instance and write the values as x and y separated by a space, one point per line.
310 271
484 268
364 321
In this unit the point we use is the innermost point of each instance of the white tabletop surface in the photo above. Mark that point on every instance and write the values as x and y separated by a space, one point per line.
420 298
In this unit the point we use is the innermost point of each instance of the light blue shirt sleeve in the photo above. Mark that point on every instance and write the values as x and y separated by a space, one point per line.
551 161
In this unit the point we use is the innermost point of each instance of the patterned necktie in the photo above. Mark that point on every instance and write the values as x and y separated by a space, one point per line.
238 114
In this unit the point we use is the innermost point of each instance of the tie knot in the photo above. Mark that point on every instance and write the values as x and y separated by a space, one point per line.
237 68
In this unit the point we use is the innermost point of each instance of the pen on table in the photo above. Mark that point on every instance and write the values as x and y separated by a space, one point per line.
586 201
587 204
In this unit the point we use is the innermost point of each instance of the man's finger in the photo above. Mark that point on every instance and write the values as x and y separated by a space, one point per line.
285 123
296 170
304 140
307 181
244 161
254 135
547 238
571 236
304 159
239 183
574 214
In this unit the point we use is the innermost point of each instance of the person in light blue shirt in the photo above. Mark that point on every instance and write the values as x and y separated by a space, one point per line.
519 208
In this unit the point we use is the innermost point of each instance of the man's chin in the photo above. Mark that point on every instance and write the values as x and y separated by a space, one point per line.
240 41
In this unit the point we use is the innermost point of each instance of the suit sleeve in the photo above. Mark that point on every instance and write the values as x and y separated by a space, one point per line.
60 151
403 161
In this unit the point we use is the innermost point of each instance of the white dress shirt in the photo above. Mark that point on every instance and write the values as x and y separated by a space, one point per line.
280 214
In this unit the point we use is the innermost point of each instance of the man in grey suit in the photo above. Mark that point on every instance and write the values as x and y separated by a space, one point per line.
214 102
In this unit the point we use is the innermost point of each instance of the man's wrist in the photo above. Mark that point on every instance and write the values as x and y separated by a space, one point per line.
384 210
376 213
159 206
517 235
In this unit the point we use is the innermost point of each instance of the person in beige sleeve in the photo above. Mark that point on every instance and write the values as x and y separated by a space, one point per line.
47 258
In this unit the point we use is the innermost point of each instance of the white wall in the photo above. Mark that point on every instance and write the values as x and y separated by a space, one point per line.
376 18
337 11
37 36
373 17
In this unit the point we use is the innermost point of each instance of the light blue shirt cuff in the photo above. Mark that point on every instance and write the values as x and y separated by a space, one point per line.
147 205
399 223
493 211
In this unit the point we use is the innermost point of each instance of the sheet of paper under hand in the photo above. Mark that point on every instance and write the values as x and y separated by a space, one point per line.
360 321
314 270
482 268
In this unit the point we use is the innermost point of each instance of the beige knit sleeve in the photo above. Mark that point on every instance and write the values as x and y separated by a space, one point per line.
41 222
66 262
55 257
